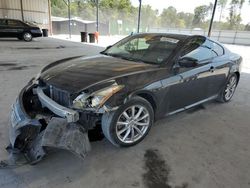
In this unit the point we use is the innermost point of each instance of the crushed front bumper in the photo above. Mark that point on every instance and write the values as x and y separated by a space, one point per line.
31 138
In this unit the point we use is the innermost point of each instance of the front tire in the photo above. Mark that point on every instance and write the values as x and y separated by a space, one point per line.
27 36
129 124
229 89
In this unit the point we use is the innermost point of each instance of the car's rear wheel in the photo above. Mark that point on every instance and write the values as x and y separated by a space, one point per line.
129 124
27 36
229 89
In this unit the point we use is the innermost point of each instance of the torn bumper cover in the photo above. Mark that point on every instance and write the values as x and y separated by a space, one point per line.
30 138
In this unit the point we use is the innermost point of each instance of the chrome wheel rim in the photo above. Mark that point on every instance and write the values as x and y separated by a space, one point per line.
27 36
132 124
230 88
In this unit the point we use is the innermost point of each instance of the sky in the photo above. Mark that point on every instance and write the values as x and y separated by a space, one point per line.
189 5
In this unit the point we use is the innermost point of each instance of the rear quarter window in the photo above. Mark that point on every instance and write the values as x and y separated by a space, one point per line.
217 49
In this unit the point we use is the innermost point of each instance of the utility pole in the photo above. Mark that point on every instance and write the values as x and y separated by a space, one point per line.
50 23
69 15
97 15
139 17
212 19
21 4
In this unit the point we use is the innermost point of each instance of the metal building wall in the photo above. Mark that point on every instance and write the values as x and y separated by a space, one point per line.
37 11
10 9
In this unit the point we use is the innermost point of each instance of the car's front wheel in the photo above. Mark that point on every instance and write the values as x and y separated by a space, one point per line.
129 124
27 37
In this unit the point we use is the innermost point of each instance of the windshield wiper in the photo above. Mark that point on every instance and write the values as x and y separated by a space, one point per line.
104 53
109 54
128 58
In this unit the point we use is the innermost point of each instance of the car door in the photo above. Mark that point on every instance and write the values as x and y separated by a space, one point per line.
15 28
220 71
3 27
192 86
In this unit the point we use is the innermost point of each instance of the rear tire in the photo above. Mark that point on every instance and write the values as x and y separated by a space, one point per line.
129 124
27 36
229 89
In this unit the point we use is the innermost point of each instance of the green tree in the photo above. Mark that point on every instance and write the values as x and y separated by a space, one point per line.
113 10
234 18
58 8
222 4
247 27
185 19
200 14
168 17
149 17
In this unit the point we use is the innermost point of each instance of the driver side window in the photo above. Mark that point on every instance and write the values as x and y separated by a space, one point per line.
199 50
14 23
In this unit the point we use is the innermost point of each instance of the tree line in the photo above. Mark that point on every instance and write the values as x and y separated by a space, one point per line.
115 12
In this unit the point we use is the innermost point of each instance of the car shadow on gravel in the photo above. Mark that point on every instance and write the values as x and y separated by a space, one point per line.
10 40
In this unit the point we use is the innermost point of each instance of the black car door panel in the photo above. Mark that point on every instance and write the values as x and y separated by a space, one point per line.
219 71
3 27
193 76
15 28
192 87
217 77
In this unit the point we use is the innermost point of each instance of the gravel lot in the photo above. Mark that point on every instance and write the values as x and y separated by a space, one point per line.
206 147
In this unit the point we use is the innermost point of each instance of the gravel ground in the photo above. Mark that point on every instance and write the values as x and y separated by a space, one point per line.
204 147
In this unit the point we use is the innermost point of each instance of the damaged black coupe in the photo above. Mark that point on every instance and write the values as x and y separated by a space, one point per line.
122 91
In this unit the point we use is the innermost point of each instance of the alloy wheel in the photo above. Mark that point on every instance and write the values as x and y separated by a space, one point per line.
230 88
132 124
27 36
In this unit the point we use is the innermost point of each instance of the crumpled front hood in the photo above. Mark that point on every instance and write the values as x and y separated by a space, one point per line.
77 74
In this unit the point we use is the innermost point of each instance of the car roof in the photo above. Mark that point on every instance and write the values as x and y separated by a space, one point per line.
173 35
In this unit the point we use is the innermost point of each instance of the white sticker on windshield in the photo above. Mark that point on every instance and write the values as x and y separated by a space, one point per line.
166 39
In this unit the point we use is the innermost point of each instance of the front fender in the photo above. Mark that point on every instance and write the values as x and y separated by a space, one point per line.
148 93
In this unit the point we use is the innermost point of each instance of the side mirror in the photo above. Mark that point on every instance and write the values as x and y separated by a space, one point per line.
104 51
108 47
188 62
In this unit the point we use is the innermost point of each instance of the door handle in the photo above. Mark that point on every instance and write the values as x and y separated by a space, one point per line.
212 69
194 77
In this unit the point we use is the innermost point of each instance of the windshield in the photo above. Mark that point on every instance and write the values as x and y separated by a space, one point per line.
148 48
31 24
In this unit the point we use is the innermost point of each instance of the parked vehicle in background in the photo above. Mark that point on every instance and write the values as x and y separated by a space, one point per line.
11 28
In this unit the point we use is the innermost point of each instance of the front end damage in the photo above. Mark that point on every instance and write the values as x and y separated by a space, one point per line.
38 123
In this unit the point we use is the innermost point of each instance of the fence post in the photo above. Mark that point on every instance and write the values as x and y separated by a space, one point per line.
219 36
234 37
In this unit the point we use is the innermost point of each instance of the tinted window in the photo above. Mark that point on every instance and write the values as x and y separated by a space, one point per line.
3 22
14 23
148 48
217 49
136 44
199 49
